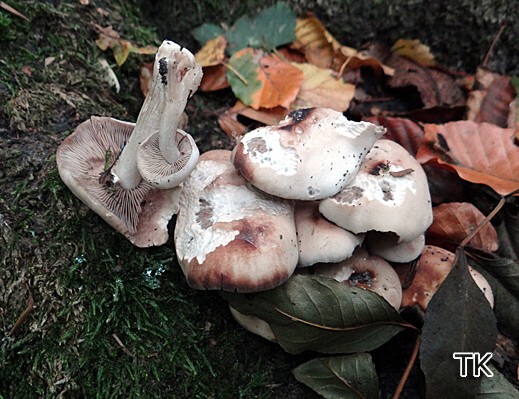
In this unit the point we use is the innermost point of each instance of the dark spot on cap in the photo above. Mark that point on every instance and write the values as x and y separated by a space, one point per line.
381 167
298 116
361 279
348 195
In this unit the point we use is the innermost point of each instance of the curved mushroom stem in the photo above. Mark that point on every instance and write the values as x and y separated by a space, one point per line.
176 76
180 77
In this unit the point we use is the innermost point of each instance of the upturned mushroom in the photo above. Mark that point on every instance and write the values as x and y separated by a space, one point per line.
368 272
98 161
230 236
389 194
319 240
312 154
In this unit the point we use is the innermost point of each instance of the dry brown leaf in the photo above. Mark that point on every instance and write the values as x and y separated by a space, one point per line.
312 41
492 99
404 131
213 52
454 221
415 50
145 76
321 88
214 78
480 153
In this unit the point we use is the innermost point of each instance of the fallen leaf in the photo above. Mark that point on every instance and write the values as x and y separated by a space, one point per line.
508 232
49 60
213 52
229 123
405 132
492 99
145 76
322 88
214 78
26 69
339 377
436 87
458 319
480 153
262 80
312 41
454 221
414 50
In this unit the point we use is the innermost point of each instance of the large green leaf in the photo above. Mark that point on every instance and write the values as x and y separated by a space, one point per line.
340 377
206 32
505 270
458 319
508 231
497 387
320 314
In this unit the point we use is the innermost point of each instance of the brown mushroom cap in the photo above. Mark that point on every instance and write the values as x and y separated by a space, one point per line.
312 154
229 236
366 271
432 268
389 194
83 158
319 240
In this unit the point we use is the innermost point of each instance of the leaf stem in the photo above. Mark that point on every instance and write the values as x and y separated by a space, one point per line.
407 371
233 70
489 217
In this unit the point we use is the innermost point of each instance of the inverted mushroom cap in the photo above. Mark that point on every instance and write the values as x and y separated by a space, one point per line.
366 271
312 154
229 236
84 160
160 173
432 268
320 240
389 194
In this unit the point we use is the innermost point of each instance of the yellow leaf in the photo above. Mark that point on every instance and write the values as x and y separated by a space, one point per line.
415 50
213 52
314 42
321 88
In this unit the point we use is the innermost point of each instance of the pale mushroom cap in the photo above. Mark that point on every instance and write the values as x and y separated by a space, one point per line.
141 213
319 240
368 272
386 246
160 173
432 268
253 324
389 194
229 236
312 154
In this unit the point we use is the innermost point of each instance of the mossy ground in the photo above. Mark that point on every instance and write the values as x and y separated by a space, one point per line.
83 313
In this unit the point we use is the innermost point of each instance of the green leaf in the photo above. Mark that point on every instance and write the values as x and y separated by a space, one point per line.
270 28
247 66
508 232
340 377
320 314
206 32
458 319
496 387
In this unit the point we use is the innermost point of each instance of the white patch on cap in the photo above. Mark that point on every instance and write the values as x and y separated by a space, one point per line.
265 149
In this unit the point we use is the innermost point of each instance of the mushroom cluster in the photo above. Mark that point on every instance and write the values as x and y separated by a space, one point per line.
130 174
316 190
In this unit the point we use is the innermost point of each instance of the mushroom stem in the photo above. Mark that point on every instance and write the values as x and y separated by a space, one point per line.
180 76
176 76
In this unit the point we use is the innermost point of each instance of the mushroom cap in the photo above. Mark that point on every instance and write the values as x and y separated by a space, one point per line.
141 213
253 324
230 236
366 271
312 154
389 194
431 269
320 240
386 246
160 173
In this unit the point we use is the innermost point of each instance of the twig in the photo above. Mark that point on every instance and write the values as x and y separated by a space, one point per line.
23 316
13 11
407 371
491 48
124 348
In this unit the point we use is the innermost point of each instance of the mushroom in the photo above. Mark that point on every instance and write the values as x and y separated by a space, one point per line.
320 240
98 162
229 236
386 246
312 154
389 194
366 271
168 155
431 269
